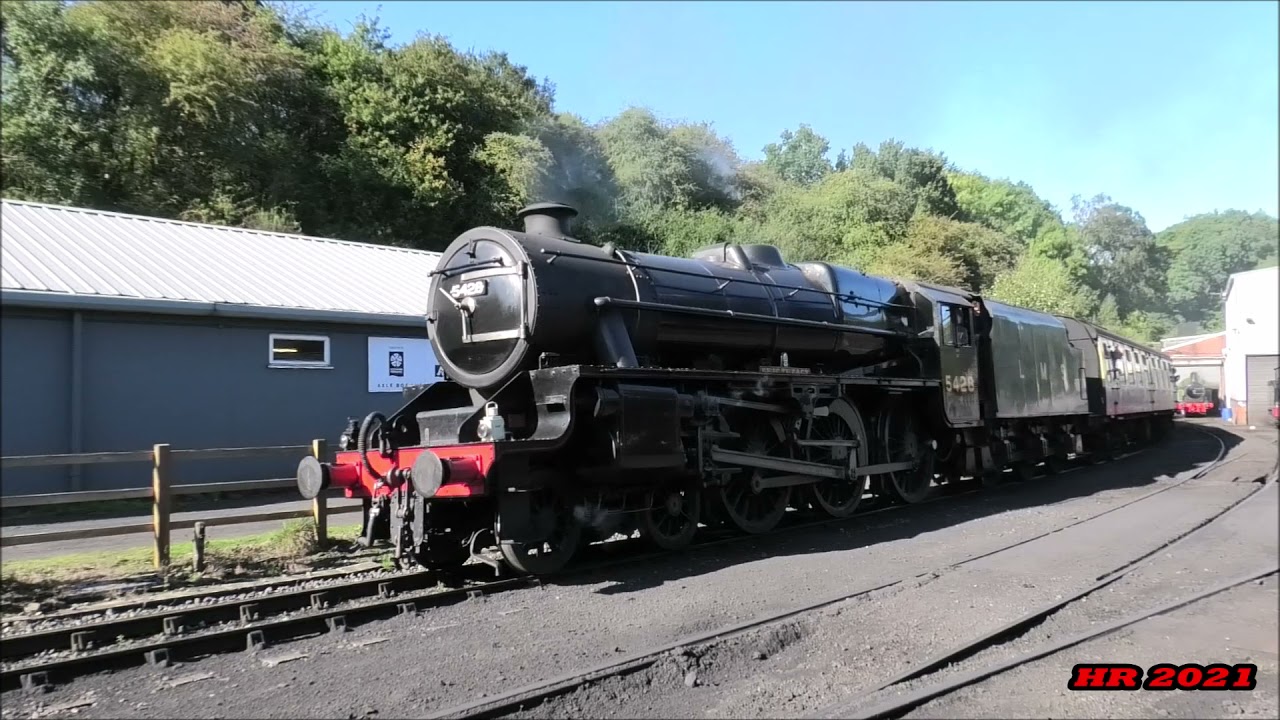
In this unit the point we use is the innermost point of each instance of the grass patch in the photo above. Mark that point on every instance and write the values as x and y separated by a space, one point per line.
292 548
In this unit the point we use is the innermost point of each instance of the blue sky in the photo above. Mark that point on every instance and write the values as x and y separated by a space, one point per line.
1168 107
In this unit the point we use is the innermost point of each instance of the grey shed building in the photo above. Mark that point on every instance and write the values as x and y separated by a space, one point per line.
118 332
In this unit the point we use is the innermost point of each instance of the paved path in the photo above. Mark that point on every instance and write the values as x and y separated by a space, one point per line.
142 540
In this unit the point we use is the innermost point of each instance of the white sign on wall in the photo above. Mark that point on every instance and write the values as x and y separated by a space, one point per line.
396 362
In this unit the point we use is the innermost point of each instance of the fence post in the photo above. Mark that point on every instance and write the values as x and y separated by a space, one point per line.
197 548
319 448
160 482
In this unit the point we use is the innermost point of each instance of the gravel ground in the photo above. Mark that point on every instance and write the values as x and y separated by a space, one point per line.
488 646
806 666
1237 626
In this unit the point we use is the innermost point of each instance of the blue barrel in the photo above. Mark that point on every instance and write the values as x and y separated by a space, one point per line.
1226 413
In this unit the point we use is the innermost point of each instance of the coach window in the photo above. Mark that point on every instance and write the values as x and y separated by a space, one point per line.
299 351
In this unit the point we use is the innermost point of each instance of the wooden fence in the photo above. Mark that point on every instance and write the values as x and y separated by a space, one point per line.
162 490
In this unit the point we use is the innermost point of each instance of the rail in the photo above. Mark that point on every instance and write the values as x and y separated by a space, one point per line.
161 492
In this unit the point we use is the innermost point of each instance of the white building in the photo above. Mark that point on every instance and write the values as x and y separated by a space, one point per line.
1252 351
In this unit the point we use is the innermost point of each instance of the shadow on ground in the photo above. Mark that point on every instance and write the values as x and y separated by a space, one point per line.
1186 449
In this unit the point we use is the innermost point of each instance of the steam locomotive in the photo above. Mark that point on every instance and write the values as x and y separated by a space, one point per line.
1196 399
593 390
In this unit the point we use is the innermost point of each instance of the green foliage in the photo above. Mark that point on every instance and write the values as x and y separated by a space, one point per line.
800 158
1207 249
1124 258
979 253
921 173
1040 283
663 166
1012 209
244 114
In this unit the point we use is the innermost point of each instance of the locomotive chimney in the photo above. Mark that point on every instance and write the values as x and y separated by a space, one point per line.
550 219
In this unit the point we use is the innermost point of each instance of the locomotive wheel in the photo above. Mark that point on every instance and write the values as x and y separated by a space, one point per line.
1023 471
903 442
749 509
1106 447
672 518
553 552
838 498
1054 464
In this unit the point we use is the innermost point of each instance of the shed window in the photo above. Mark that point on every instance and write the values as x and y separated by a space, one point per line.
299 351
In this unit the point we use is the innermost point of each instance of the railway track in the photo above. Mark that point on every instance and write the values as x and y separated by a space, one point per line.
533 695
156 635
914 699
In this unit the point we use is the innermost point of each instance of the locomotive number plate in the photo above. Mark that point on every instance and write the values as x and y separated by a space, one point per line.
959 383
475 288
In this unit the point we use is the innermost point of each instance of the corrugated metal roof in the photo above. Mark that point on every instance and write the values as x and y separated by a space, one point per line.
89 253
1175 343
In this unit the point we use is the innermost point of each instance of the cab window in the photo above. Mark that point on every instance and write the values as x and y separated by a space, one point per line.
956 325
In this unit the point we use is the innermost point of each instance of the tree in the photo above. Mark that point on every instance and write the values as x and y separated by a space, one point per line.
979 253
714 165
519 165
1206 250
1010 208
413 165
1040 283
653 169
249 113
579 174
153 107
922 173
1124 259
843 213
800 158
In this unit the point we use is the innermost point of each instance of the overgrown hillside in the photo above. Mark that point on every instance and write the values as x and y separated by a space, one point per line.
234 113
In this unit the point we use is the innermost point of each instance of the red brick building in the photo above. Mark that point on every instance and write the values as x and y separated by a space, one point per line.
1197 358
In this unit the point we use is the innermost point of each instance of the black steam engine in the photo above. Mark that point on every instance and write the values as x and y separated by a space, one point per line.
594 390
